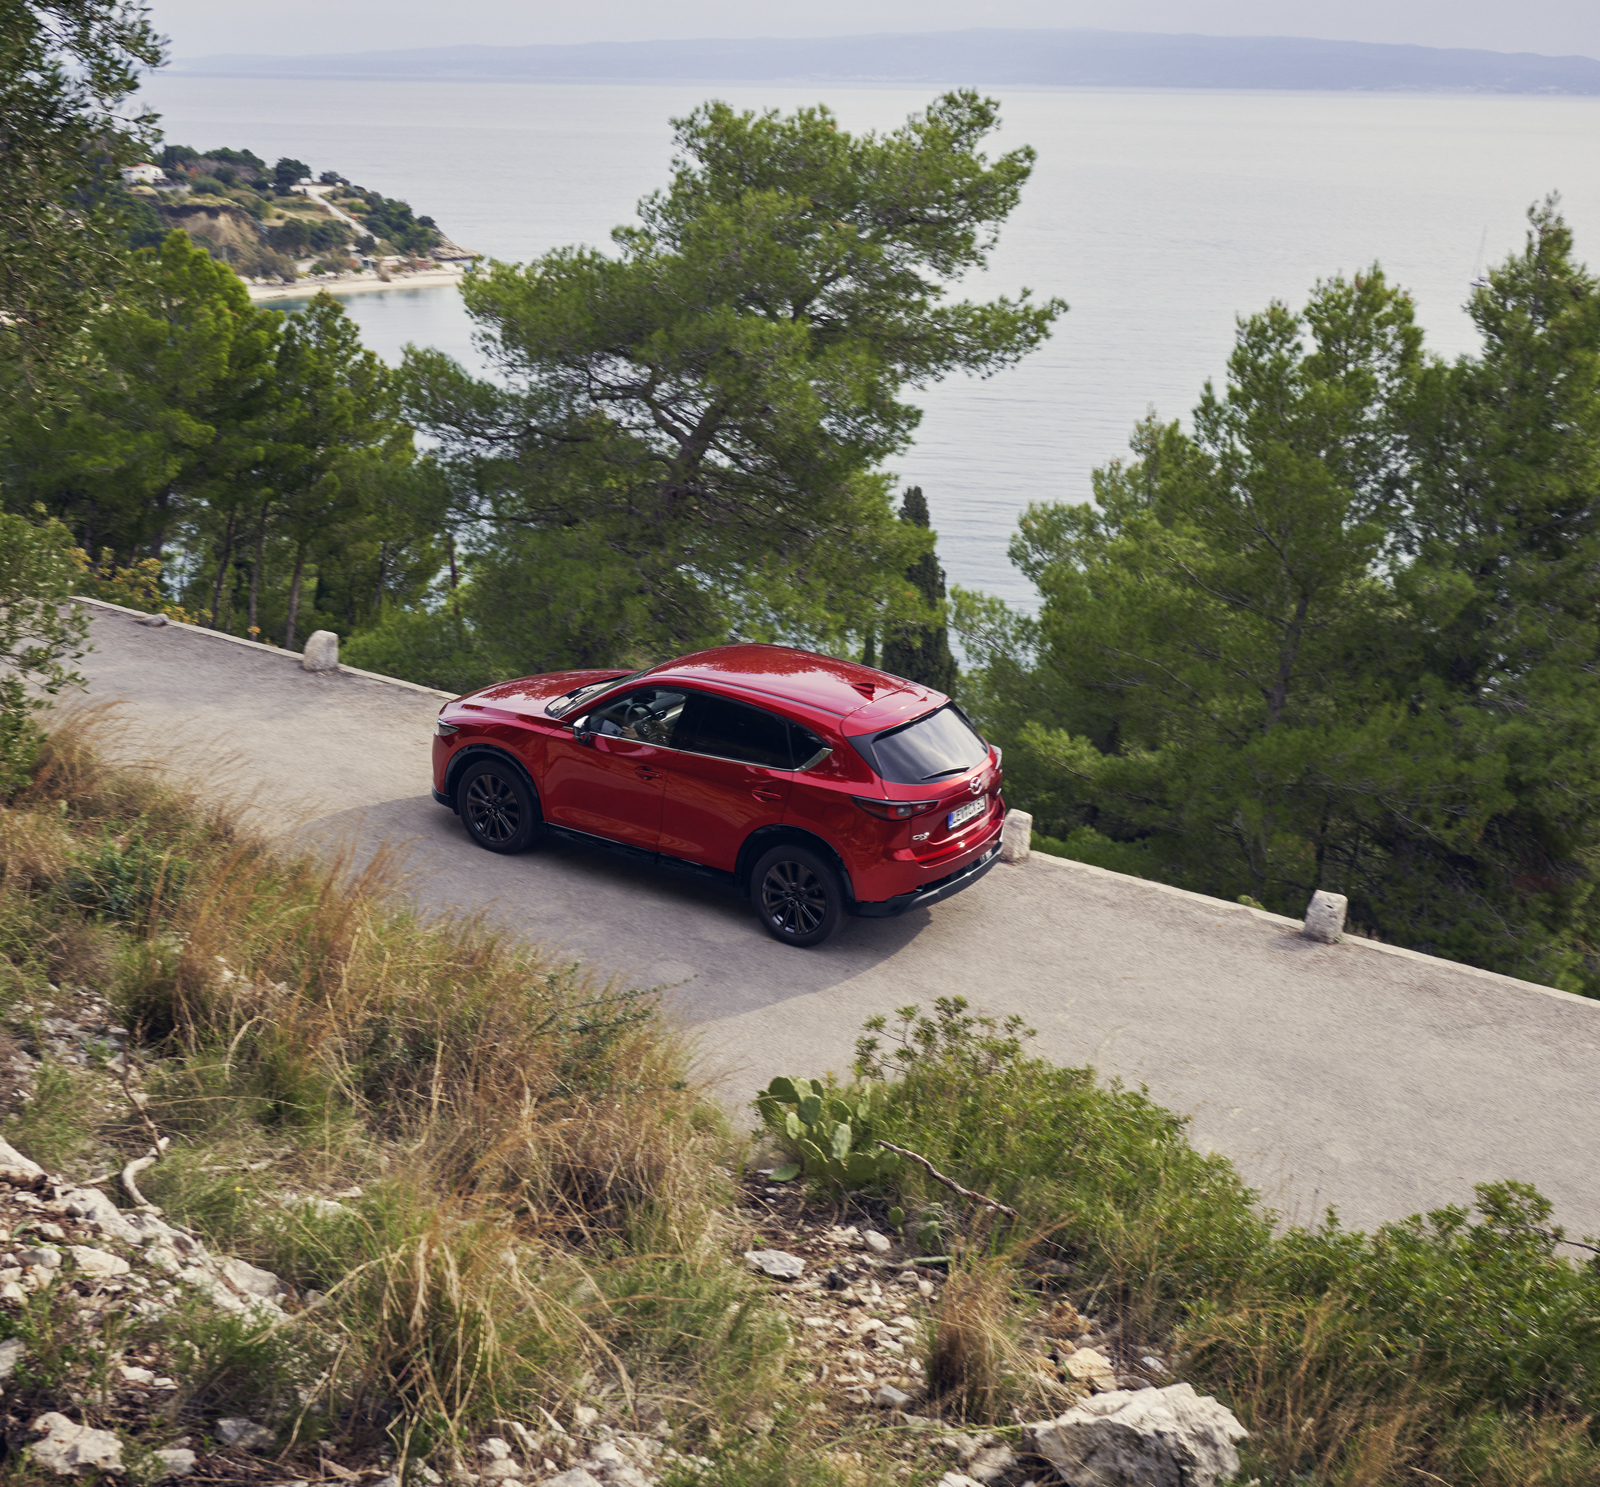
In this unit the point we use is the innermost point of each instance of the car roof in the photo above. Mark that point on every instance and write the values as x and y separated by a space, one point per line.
825 684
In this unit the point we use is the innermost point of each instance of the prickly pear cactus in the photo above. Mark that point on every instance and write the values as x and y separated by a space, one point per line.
830 1136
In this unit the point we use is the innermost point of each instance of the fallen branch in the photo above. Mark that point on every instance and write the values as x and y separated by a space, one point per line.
949 1182
131 1171
158 1144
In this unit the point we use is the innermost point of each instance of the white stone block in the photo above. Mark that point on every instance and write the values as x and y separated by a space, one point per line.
321 652
1016 841
1325 917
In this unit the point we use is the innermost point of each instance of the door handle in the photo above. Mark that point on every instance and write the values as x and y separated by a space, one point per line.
645 772
767 793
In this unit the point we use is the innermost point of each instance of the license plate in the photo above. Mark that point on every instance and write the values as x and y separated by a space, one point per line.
967 812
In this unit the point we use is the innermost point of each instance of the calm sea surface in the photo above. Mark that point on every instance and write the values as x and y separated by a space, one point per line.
1159 216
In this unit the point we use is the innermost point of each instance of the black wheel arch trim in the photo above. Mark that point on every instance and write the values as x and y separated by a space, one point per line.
763 838
473 752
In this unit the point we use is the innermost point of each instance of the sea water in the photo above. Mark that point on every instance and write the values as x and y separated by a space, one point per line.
1160 216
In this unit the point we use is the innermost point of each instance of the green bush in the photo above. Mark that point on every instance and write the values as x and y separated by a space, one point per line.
436 649
39 635
1457 1346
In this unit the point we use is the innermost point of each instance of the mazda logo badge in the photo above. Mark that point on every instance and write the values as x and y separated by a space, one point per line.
976 786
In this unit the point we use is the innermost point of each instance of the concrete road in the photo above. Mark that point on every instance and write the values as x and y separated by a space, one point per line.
1369 1078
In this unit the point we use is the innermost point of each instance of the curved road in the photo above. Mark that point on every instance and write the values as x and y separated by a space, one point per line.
1370 1078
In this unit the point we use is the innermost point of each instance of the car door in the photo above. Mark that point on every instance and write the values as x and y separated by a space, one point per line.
607 777
730 775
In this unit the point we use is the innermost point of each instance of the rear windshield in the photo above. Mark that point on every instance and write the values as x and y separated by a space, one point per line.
931 747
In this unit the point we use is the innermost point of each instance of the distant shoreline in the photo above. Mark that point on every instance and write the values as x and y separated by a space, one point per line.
355 284
985 57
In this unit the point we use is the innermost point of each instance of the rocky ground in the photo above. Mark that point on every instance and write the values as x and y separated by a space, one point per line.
85 1391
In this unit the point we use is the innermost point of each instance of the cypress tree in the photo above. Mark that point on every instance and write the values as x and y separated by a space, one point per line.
921 653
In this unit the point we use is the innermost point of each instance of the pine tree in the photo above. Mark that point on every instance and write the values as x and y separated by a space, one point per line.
921 653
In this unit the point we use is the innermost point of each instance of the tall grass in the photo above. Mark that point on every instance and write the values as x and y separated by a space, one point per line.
529 1171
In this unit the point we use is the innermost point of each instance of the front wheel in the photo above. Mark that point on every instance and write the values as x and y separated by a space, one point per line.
798 896
498 808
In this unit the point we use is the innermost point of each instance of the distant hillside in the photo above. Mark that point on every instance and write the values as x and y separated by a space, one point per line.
272 222
1107 59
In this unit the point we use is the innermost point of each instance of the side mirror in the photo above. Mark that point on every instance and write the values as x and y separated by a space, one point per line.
582 733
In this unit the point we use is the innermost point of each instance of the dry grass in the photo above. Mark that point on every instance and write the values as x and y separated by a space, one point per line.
541 1173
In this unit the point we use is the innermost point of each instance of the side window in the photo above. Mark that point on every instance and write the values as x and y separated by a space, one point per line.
806 745
649 714
733 730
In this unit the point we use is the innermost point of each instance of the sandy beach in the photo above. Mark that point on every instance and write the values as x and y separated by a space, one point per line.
356 284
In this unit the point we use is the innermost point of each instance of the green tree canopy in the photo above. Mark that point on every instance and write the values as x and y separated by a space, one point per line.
688 437
1342 634
162 399
67 67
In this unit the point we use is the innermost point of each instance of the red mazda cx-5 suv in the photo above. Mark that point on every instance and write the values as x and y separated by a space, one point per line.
821 787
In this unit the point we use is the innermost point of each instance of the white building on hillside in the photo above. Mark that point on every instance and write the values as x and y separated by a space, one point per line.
143 174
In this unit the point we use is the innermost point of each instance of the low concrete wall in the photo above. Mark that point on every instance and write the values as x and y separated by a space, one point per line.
257 646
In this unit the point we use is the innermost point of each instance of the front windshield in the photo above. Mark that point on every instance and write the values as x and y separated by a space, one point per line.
568 702
929 748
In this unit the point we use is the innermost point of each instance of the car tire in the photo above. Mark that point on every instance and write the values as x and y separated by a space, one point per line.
797 895
498 807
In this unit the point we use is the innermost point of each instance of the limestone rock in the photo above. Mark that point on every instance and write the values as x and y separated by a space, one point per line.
155 621
1016 837
956 1479
576 1477
91 1204
605 1459
777 1263
45 1259
69 1448
178 1461
874 1241
890 1398
493 1449
992 1464
1168 1437
247 1280
13 1160
12 1352
321 652
503 1470
97 1262
236 1431
1325 917
1086 1366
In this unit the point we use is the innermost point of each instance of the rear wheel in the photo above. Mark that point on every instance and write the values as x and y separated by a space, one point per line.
797 894
497 807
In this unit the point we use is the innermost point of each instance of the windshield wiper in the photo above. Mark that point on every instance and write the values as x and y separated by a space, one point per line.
959 769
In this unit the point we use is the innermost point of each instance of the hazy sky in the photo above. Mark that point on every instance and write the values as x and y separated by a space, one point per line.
1556 27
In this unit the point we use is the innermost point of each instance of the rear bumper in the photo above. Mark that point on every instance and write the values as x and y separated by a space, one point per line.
931 893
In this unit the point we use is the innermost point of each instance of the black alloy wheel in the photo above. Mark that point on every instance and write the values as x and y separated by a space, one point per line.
497 807
798 895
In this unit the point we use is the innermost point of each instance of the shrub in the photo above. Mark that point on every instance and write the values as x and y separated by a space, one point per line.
1457 1346
136 586
39 635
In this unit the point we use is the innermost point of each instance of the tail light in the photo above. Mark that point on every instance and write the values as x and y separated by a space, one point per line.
894 810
